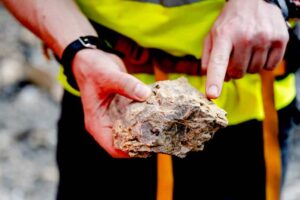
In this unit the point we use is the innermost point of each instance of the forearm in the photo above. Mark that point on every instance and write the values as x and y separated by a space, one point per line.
56 22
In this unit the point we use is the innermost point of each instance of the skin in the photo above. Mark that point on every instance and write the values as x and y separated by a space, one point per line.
248 36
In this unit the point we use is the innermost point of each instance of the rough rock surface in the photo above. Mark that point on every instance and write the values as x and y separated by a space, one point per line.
175 120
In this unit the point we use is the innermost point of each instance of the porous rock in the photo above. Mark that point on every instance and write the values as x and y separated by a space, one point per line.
175 119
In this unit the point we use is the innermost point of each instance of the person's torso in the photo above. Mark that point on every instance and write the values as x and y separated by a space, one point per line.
179 27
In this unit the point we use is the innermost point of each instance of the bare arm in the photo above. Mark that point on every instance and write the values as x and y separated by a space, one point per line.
99 75
56 22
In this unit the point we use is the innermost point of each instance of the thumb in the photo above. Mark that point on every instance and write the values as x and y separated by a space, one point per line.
127 85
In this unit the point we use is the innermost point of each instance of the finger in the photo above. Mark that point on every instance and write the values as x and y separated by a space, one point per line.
239 61
104 136
126 85
217 66
274 57
227 78
96 123
206 53
258 61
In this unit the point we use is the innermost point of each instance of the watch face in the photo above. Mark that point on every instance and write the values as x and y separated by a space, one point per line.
86 43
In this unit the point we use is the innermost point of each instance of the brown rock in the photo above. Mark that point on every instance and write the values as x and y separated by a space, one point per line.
175 120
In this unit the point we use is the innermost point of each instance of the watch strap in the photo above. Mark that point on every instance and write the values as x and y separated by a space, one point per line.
86 42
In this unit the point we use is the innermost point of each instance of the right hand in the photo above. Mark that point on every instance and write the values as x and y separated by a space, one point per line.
248 36
100 76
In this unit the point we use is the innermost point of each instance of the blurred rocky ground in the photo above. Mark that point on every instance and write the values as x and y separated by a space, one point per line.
29 109
292 186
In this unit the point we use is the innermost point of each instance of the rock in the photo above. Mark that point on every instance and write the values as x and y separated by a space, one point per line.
11 71
176 119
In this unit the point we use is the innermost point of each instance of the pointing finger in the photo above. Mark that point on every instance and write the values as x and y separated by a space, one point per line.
217 66
205 54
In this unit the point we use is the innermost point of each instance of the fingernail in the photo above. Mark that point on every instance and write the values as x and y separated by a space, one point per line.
213 91
142 92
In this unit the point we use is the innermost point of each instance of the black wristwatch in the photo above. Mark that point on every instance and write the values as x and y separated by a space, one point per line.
85 42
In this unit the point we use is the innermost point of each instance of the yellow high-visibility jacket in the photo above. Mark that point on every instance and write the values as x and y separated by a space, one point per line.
180 30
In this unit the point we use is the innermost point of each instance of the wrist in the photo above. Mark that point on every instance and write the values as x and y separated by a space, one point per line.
69 53
282 5
84 62
80 50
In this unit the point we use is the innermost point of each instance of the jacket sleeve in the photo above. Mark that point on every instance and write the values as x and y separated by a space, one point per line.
293 8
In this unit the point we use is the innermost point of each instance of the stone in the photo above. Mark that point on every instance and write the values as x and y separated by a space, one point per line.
176 119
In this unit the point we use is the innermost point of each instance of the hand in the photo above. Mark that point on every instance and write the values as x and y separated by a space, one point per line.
100 76
248 36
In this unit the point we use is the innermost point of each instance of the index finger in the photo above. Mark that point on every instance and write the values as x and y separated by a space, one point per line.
217 66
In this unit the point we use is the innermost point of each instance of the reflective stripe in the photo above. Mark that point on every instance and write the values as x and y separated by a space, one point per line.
170 3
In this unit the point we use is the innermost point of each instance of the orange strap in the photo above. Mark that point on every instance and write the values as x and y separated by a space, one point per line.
270 137
280 69
164 162
164 177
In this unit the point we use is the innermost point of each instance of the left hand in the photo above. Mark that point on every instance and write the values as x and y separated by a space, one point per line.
248 36
100 76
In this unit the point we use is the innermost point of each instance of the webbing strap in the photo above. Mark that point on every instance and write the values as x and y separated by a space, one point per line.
164 177
270 137
164 162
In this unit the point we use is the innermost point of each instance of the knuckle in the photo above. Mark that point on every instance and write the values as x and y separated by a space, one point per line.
255 68
263 38
122 83
284 38
270 67
116 59
281 40
252 71
246 40
127 84
220 31
235 73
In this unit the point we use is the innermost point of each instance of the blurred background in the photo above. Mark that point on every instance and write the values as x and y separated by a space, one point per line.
29 109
